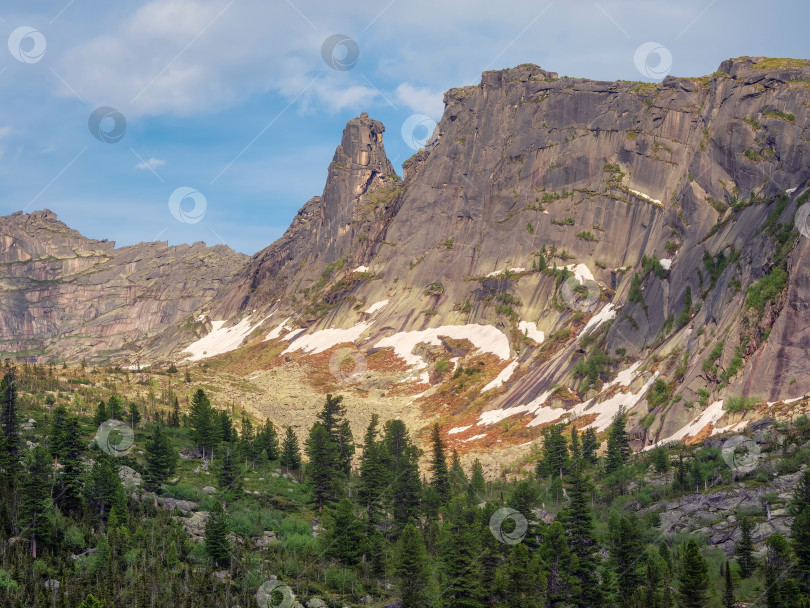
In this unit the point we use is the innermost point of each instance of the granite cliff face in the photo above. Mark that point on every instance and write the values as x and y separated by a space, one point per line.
65 296
601 245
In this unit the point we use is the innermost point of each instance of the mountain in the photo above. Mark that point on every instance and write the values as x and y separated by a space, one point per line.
561 248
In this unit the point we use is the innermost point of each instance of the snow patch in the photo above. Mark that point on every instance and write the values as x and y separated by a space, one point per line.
375 307
581 272
607 410
459 429
646 197
324 339
275 333
221 339
495 273
494 416
666 263
361 269
503 377
474 437
785 401
737 426
792 190
607 313
484 337
710 415
530 330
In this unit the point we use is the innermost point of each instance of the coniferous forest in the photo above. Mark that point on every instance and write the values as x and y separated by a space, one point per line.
114 500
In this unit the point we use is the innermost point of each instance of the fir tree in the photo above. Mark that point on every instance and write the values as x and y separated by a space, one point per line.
70 476
590 445
291 453
206 427
247 442
438 467
332 417
693 580
115 407
56 435
401 460
728 588
618 446
524 498
174 417
161 459
578 521
227 432
101 413
134 415
373 474
345 539
745 548
478 486
628 546
36 508
217 546
228 471
800 538
322 471
412 569
462 586
90 601
556 554
104 488
660 459
574 447
268 439
458 478
555 452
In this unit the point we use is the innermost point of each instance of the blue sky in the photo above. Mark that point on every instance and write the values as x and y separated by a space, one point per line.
236 98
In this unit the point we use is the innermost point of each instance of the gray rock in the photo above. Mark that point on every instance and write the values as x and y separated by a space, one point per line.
209 490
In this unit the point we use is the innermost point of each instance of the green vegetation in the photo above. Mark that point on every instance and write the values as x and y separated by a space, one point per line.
740 404
773 113
586 236
569 221
766 289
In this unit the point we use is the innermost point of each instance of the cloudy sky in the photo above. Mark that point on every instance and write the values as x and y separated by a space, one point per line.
215 120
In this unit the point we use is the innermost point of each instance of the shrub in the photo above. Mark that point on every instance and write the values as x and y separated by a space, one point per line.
586 235
741 404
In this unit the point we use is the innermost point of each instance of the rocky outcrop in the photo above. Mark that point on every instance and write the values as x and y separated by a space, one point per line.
67 297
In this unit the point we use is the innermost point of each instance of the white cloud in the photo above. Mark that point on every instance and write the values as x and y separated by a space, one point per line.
424 100
151 164
5 131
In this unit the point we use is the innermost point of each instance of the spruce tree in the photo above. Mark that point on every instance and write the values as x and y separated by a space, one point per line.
217 546
134 415
268 438
693 580
228 470
90 601
745 548
227 432
401 461
322 471
590 445
458 478
57 431
36 510
574 446
460 552
555 452
290 453
247 442
70 476
628 546
373 475
101 414
332 417
618 446
728 588
206 426
478 485
345 538
660 459
412 569
800 539
438 467
174 417
103 488
115 408
161 459
556 554
578 521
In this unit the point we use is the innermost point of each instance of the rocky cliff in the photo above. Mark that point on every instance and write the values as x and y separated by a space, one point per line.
561 248
67 297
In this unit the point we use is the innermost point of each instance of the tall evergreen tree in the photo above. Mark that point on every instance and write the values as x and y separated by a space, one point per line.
206 427
462 586
134 415
660 459
101 414
728 588
578 522
694 580
574 446
800 539
412 569
345 539
268 438
217 546
590 445
36 507
247 442
322 471
745 548
555 452
401 459
373 473
618 445
174 417
458 478
440 483
290 452
332 417
57 432
161 459
70 476
478 485
115 407
628 547
104 488
228 470
556 554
